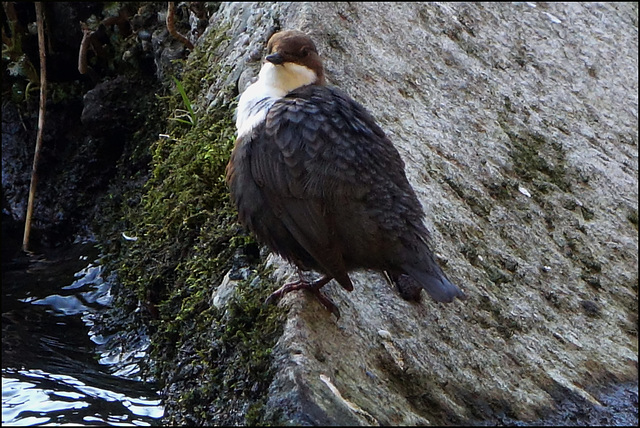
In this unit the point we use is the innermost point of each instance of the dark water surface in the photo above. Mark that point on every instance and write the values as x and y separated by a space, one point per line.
56 367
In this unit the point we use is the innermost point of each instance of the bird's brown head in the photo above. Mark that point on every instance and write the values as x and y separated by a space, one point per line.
295 47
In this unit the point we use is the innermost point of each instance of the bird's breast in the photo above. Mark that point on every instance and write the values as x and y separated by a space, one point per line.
253 106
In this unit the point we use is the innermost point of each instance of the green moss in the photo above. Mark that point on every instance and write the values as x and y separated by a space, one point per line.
587 214
476 202
220 358
496 275
470 251
536 160
215 363
591 279
632 216
501 191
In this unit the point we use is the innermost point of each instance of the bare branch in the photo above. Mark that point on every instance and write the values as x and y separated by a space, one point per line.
41 113
84 47
171 26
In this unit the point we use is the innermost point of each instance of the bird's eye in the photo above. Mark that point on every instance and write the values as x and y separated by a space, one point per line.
304 52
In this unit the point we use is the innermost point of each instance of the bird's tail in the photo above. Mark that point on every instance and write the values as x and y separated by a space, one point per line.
434 282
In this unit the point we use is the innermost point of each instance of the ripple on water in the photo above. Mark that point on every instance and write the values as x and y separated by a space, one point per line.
56 369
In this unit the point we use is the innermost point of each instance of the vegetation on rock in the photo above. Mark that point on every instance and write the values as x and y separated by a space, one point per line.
212 361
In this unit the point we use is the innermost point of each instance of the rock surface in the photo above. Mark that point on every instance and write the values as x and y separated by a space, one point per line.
518 124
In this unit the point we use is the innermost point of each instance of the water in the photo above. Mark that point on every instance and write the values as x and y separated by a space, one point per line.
58 364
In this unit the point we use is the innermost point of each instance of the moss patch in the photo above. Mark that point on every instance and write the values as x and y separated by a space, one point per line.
215 364
536 160
475 201
539 161
632 216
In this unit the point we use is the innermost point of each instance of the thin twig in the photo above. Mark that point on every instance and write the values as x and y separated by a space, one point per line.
12 20
171 26
43 101
84 46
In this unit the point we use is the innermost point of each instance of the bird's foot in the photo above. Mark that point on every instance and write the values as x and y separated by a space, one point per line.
314 287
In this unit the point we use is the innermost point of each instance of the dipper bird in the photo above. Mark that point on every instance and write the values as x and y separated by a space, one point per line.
318 181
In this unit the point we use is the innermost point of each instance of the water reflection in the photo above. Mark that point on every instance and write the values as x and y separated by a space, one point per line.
34 396
57 367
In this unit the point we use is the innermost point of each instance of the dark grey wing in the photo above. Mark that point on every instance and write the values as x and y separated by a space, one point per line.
324 158
338 185
280 165
364 164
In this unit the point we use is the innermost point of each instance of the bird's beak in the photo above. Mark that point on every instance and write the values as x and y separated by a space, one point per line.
275 58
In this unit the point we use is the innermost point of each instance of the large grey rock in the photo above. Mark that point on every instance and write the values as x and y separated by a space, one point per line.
518 123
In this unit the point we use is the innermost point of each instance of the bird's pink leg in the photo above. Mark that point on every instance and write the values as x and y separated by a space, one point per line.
314 287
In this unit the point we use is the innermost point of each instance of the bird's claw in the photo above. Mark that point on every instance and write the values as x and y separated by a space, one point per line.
276 295
313 287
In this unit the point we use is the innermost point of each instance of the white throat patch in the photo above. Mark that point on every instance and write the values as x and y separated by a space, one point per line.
274 82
